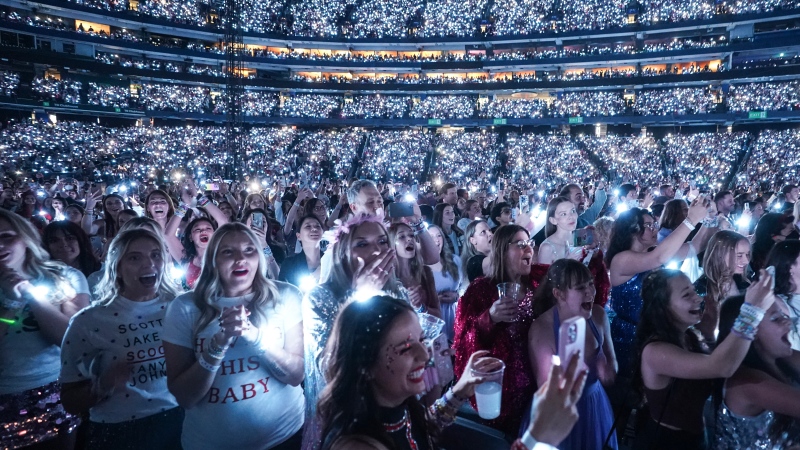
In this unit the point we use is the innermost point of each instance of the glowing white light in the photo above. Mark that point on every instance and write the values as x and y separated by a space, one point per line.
254 187
365 293
39 291
556 360
307 283
616 192
672 265
743 221
622 207
409 198
123 188
176 273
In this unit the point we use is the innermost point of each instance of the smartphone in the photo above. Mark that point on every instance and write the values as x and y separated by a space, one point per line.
400 209
523 202
514 213
582 236
212 186
257 220
771 271
571 338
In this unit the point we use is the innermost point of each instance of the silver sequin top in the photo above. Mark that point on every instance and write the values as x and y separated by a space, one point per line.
320 307
734 432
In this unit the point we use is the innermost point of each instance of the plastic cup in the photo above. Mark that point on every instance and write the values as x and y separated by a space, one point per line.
489 394
513 292
510 290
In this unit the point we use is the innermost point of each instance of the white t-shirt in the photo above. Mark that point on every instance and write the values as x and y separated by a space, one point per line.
246 407
99 336
27 359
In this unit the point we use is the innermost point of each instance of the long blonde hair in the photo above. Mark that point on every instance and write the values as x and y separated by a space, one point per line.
37 263
719 262
209 286
416 263
110 285
446 256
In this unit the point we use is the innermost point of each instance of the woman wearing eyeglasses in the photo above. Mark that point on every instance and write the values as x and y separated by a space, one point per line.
500 325
629 259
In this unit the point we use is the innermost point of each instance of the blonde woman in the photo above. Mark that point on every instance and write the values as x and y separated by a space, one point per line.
447 278
724 263
417 279
234 350
38 296
112 356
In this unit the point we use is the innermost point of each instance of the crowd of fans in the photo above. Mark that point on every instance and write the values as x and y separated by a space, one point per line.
108 96
764 96
8 82
454 155
57 90
771 96
435 19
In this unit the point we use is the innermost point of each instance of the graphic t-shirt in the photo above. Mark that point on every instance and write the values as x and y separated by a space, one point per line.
246 407
123 331
27 359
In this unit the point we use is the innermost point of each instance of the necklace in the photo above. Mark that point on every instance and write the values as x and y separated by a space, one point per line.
399 425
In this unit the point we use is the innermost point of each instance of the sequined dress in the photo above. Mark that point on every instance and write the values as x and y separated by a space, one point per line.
320 307
508 341
626 303
735 432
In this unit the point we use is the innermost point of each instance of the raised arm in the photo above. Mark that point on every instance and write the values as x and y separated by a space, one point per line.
629 263
661 360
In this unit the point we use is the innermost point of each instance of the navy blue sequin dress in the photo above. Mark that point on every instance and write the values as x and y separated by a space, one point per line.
626 303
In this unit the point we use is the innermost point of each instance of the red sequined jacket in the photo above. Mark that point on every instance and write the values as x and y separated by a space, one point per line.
475 331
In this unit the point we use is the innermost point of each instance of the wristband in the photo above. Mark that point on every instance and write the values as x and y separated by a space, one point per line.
7 321
268 252
418 227
203 201
688 224
216 352
206 365
180 211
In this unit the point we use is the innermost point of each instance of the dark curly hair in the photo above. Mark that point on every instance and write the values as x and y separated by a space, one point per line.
629 224
783 256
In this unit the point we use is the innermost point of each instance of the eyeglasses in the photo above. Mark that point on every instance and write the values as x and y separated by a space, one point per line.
654 226
523 244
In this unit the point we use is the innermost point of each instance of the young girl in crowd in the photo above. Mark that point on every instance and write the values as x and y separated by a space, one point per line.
568 291
444 217
234 351
477 248
562 219
159 207
67 243
674 369
38 296
416 278
113 363
446 276
724 263
105 228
